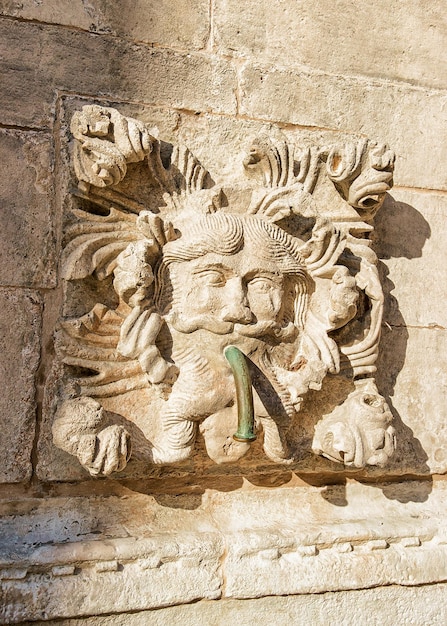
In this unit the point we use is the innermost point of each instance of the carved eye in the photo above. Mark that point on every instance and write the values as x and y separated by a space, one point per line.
212 277
261 283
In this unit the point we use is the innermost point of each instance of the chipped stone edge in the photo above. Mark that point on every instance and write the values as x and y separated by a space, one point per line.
107 562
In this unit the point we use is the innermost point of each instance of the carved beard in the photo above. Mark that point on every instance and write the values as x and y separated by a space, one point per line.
205 384
205 387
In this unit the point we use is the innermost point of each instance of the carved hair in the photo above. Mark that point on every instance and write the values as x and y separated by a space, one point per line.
225 233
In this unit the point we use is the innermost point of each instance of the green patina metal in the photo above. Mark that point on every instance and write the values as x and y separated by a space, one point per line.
244 394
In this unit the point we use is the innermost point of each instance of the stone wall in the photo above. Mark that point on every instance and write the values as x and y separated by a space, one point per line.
213 74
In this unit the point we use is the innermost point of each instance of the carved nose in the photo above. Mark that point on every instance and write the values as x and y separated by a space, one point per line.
236 308
237 314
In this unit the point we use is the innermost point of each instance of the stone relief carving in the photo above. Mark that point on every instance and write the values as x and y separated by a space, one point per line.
257 264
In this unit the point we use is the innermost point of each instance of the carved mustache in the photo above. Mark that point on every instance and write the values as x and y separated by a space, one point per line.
220 327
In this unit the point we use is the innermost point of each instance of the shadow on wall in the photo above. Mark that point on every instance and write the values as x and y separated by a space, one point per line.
401 232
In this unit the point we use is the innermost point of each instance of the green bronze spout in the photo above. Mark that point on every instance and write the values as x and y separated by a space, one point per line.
244 394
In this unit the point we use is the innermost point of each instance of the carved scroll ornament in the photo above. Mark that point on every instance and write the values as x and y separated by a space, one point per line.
295 291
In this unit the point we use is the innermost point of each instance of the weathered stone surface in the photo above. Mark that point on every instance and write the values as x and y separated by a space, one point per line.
384 39
121 553
130 586
386 605
410 240
27 252
133 551
160 22
287 552
413 378
102 65
388 112
210 268
19 358
69 13
157 536
396 242
306 570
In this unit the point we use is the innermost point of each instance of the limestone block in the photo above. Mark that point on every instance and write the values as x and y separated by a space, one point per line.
306 571
277 521
288 551
27 252
384 605
410 240
163 23
19 358
93 555
413 378
60 531
68 13
124 586
85 63
385 39
393 112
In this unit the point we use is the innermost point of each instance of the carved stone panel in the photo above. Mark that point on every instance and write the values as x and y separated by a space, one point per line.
203 310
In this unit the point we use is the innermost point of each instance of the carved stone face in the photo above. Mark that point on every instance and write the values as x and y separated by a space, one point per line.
248 287
223 294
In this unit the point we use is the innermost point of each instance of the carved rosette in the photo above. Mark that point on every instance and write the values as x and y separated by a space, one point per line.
297 292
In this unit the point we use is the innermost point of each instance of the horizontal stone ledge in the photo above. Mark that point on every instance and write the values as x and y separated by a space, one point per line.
157 549
107 590
391 604
87 556
379 563
193 548
113 586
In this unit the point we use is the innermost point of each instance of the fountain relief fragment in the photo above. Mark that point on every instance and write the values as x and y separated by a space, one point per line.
257 264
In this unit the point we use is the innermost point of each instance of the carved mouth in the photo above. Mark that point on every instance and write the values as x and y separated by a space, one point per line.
205 322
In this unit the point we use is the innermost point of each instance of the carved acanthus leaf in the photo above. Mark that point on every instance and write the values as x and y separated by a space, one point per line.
89 345
96 241
271 162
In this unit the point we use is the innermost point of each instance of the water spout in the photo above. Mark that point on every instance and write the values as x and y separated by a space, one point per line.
244 394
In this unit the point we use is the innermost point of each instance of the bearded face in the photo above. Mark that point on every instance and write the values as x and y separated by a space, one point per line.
239 293
244 282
